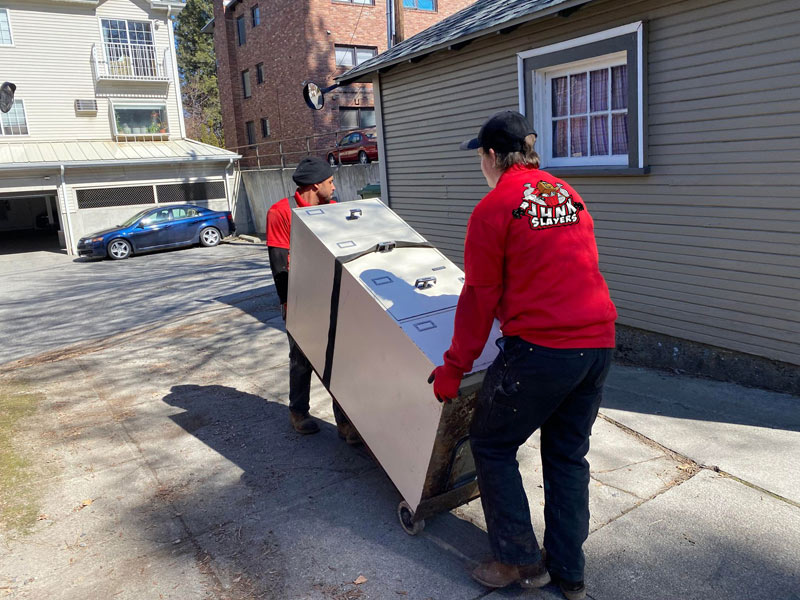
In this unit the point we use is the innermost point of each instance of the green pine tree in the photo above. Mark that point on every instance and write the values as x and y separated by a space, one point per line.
198 72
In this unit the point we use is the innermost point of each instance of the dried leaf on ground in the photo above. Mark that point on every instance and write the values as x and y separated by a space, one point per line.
360 579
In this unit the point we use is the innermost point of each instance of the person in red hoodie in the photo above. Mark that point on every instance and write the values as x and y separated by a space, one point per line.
530 260
314 179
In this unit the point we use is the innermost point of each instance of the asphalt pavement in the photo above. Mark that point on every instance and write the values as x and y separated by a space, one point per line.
146 453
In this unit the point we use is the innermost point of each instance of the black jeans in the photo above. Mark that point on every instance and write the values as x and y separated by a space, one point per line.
300 371
530 387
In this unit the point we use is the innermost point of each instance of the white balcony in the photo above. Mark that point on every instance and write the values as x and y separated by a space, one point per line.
121 61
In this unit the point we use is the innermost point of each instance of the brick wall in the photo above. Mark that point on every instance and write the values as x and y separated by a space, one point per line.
295 42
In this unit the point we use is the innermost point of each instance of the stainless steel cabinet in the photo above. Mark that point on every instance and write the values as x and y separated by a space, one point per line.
372 304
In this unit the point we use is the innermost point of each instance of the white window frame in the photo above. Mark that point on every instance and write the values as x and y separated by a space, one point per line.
10 29
540 95
152 23
544 78
115 104
24 114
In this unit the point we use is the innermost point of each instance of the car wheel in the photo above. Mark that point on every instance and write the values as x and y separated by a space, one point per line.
210 236
331 160
363 158
119 249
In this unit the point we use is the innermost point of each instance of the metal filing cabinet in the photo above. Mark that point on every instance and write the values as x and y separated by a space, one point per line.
372 306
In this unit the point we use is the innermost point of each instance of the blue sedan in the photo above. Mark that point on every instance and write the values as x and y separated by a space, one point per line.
156 228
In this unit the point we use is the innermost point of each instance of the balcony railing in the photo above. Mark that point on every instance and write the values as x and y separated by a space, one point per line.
130 62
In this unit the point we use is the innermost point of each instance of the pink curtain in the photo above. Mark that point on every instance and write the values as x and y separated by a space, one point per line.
599 90
560 146
559 102
619 87
619 134
600 135
579 137
577 94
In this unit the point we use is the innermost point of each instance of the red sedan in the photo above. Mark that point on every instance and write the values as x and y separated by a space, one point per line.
355 147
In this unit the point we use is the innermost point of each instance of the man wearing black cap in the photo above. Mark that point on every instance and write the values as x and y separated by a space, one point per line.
530 260
314 179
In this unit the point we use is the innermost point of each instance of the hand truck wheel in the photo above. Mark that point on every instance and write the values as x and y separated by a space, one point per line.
407 522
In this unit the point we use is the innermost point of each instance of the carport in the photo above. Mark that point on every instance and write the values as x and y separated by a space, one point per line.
52 193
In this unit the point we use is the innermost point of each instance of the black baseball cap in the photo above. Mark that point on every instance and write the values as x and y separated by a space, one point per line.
503 132
311 170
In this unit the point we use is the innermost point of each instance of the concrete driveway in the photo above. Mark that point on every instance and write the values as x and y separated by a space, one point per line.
146 453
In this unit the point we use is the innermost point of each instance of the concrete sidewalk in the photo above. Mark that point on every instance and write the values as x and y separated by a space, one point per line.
159 463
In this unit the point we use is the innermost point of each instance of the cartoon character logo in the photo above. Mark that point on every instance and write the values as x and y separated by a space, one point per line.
548 205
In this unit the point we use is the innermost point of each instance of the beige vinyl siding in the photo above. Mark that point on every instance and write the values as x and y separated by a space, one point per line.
707 246
51 64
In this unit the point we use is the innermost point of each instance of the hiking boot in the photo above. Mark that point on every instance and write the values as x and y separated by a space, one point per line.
349 434
572 590
495 574
303 423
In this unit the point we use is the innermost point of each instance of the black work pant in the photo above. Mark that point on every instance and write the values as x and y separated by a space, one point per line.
300 371
529 387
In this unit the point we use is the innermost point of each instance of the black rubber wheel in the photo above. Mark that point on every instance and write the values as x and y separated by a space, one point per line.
406 516
331 160
210 236
363 158
118 249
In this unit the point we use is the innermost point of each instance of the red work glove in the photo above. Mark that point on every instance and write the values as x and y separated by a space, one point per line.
445 380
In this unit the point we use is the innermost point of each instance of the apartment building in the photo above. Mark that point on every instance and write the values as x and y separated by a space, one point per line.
267 49
96 131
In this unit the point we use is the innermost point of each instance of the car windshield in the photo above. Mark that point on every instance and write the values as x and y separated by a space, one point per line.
134 218
371 136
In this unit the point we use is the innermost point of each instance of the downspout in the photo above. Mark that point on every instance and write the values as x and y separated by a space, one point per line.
389 19
70 241
227 185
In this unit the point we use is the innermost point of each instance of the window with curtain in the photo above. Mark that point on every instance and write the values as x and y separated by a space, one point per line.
586 99
256 14
589 112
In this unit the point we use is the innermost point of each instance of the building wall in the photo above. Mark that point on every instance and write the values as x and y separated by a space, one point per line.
706 246
50 62
295 41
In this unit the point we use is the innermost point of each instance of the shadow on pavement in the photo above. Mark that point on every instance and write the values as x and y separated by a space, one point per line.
636 390
286 511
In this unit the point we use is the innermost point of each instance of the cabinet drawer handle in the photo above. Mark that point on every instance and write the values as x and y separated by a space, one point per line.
424 283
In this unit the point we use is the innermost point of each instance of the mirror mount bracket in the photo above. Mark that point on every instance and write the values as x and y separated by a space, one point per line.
314 95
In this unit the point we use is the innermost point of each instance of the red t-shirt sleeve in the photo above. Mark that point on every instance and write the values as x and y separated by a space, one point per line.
278 227
473 322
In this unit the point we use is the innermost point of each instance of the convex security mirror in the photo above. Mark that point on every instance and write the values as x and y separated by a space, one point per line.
7 96
315 96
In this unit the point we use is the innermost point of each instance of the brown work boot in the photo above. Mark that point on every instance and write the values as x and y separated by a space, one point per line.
349 434
495 574
303 423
